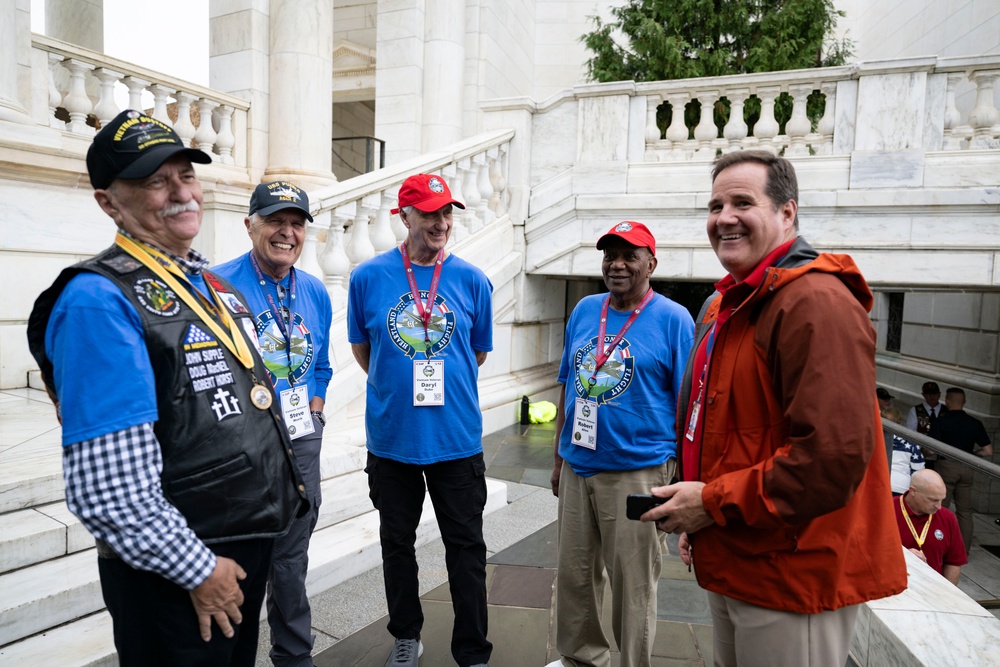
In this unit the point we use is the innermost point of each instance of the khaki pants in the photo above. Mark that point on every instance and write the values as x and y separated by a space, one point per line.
746 635
958 480
595 541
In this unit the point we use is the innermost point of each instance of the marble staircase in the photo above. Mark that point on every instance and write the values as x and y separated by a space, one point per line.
51 611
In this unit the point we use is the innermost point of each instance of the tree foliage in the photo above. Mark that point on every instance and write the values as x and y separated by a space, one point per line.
656 40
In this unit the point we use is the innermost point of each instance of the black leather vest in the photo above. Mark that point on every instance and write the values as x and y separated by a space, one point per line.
227 465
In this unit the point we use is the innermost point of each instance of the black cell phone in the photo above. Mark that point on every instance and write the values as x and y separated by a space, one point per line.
637 504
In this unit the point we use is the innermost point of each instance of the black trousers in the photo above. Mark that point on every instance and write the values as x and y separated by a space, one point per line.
458 492
154 619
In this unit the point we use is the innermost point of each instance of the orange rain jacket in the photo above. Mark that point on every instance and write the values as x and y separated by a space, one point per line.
792 453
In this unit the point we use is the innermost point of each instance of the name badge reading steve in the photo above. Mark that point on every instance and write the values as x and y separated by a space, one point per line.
428 382
585 424
295 410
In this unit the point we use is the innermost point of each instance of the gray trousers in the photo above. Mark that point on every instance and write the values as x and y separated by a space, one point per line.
288 611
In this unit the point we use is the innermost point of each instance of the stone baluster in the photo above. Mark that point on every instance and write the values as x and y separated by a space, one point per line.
798 126
205 136
497 181
652 129
454 177
309 258
766 128
382 235
705 133
360 247
77 103
160 95
828 122
335 262
735 130
395 221
485 188
184 127
55 97
954 131
677 133
135 89
470 195
225 140
106 108
984 115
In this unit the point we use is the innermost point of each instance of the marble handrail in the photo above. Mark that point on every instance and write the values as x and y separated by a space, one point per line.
355 215
81 86
974 128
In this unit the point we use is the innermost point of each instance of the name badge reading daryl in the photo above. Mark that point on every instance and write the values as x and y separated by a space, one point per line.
295 409
585 424
428 382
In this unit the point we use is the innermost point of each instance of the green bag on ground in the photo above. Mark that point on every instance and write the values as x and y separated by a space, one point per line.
542 412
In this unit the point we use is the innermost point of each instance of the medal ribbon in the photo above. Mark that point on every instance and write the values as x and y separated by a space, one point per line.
165 269
605 353
920 539
285 329
425 313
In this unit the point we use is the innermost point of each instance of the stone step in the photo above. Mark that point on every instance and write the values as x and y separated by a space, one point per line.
60 597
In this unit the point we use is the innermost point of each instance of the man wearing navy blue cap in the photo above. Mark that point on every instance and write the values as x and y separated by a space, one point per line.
174 456
292 314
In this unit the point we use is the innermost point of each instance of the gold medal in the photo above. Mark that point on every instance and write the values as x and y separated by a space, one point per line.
260 396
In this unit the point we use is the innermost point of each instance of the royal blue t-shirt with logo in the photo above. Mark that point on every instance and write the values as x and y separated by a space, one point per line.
381 312
636 389
311 317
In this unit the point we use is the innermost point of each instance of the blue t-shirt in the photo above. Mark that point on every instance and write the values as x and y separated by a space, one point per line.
311 313
636 389
381 312
102 373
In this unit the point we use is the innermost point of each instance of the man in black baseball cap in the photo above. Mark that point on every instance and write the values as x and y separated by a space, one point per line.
175 455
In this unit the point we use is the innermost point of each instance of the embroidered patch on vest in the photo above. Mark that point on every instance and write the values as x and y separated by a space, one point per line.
206 364
232 303
122 263
156 297
225 405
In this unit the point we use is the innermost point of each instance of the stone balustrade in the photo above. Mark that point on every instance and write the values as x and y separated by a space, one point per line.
352 220
800 112
81 87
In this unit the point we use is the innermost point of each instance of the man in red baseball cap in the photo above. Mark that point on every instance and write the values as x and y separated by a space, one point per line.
420 324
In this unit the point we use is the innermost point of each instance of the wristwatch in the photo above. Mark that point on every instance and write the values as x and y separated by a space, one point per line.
319 416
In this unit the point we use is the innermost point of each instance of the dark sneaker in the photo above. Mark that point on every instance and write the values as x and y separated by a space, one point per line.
405 653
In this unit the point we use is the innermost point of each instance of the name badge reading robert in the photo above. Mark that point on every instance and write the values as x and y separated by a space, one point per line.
585 424
428 382
295 409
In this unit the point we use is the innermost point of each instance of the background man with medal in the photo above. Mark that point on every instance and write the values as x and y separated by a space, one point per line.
622 365
420 323
174 457
785 504
928 529
292 313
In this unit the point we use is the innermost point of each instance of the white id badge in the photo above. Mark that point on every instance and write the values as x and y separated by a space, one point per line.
295 410
693 422
428 382
585 424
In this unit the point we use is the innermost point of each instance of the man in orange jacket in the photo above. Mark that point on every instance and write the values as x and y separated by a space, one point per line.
785 508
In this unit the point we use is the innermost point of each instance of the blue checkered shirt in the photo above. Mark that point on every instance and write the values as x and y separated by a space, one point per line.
113 487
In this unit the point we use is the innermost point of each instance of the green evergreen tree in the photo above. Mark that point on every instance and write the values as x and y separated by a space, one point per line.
680 39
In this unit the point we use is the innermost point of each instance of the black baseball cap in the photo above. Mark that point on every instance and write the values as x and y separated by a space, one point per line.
884 394
930 388
133 145
268 198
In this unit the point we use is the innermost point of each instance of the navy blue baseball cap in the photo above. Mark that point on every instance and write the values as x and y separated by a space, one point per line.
268 198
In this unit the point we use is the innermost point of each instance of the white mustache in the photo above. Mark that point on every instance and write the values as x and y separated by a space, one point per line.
174 209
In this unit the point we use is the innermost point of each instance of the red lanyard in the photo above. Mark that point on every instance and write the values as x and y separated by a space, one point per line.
604 353
424 312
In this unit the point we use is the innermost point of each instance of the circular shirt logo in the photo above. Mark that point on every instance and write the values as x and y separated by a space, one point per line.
939 534
612 379
156 297
284 360
406 328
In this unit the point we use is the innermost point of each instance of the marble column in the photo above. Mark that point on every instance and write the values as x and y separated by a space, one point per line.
238 65
11 109
399 78
300 105
444 63
79 22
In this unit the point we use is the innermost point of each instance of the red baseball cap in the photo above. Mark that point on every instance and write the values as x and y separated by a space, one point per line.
426 192
634 233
